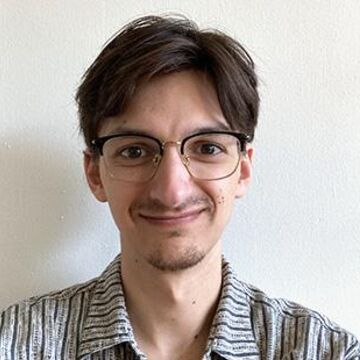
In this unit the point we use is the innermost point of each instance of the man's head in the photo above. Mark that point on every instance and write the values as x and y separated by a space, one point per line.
151 46
166 81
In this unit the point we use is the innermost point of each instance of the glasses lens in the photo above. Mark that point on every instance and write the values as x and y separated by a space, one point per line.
131 158
212 156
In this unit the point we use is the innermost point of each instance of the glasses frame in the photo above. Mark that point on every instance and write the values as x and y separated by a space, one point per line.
97 145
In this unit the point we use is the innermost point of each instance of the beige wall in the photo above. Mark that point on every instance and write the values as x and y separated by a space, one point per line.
296 235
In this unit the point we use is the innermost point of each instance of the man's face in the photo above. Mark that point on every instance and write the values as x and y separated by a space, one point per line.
173 220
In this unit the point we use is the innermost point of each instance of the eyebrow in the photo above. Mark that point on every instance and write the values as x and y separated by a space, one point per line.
121 130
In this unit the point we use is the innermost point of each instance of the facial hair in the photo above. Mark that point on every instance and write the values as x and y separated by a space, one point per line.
189 257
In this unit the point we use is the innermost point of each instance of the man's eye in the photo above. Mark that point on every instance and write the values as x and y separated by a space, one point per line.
132 152
209 149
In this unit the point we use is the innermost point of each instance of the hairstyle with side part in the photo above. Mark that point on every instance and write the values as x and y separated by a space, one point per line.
153 45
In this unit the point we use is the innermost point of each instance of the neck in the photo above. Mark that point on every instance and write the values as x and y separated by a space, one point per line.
172 311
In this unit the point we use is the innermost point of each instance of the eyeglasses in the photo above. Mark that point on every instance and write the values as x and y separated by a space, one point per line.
207 155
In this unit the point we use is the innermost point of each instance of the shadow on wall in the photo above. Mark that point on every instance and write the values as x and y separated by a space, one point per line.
39 189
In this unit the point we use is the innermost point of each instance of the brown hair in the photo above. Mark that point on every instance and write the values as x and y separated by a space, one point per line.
154 45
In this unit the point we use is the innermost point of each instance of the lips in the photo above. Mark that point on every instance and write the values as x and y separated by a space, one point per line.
172 219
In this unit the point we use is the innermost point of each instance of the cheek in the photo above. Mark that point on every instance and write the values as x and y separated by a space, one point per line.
225 198
224 192
120 201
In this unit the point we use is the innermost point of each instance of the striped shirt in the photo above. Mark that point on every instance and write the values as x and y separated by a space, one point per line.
90 322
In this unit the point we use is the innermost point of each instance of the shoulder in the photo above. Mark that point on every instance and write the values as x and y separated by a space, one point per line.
50 325
295 329
49 300
42 319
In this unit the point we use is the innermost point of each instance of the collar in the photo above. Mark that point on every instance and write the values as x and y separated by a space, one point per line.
107 324
232 334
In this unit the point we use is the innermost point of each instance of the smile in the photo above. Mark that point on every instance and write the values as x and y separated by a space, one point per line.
175 219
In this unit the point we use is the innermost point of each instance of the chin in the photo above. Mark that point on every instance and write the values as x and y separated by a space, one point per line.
174 263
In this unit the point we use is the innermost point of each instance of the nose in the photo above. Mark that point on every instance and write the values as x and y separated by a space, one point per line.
172 184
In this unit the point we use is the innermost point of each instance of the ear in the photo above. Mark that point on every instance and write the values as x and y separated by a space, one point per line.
92 172
245 172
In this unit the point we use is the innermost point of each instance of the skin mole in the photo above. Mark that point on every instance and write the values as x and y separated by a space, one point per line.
221 200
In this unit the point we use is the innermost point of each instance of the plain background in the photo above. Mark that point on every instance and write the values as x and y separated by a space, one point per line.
296 234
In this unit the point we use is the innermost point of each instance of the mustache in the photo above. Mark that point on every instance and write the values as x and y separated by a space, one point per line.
156 206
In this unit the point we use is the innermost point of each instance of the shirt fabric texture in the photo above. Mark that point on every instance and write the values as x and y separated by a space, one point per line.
90 322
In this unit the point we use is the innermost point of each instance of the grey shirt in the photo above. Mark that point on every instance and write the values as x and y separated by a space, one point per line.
90 321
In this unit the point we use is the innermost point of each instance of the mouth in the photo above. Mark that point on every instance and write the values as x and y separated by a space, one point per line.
172 219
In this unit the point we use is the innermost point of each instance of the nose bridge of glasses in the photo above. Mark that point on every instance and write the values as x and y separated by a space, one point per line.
177 145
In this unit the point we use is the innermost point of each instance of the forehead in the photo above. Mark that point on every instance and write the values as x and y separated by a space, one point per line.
175 104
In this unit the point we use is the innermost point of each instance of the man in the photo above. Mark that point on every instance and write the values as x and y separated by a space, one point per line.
168 114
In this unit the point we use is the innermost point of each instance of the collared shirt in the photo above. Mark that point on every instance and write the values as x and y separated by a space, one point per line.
90 322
